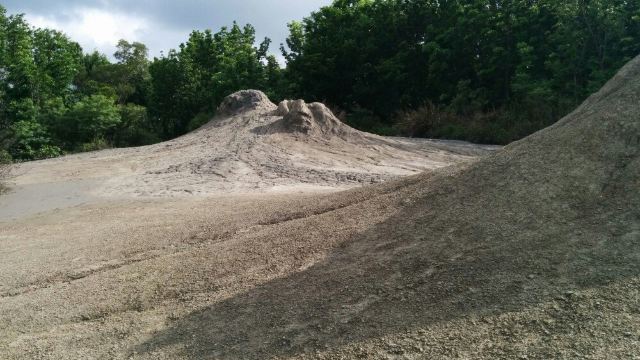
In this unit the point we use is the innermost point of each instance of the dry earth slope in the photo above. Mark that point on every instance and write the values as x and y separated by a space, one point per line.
532 252
251 145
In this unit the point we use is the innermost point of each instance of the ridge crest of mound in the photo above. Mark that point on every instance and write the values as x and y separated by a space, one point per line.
244 101
314 119
297 117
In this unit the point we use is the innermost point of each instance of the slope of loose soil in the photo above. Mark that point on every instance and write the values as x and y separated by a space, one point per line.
251 146
533 252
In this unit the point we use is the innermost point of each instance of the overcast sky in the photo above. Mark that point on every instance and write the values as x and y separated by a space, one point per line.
160 24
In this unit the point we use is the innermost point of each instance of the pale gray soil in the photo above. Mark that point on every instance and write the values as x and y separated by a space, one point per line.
26 200
532 252
238 152
256 150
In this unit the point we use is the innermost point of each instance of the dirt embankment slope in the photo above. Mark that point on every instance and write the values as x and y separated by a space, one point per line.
532 252
252 145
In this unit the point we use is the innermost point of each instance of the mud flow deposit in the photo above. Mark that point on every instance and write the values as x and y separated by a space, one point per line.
530 252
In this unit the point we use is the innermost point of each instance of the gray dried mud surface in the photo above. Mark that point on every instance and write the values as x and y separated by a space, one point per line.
251 146
532 252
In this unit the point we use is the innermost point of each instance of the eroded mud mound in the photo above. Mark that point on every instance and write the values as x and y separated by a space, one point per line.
313 120
530 253
297 116
254 145
244 101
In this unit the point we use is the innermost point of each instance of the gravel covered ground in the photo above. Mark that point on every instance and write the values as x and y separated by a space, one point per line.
532 252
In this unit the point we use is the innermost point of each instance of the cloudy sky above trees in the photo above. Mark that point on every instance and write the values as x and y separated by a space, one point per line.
160 24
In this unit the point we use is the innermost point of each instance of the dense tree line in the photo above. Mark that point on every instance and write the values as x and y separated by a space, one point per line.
481 70
54 99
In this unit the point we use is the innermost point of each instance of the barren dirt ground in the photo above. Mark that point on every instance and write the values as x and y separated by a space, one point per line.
528 252
251 147
117 219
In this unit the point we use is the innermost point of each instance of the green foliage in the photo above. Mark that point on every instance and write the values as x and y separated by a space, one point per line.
488 127
208 67
5 157
128 80
93 77
47 152
168 79
467 57
57 61
19 80
31 142
480 70
37 70
22 109
95 144
92 118
199 120
134 129
5 161
132 73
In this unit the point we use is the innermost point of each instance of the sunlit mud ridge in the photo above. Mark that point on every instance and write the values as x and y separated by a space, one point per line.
253 145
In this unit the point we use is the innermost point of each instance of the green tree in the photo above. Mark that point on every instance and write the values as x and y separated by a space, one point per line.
515 66
52 96
31 142
191 82
169 116
21 71
57 60
93 79
95 117
134 129
132 71
3 67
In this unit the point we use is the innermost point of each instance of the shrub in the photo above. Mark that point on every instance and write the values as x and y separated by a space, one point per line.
30 141
426 121
134 129
47 152
91 118
94 145
199 120
366 120
501 126
5 158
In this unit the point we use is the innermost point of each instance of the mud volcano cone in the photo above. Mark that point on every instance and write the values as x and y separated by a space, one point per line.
533 251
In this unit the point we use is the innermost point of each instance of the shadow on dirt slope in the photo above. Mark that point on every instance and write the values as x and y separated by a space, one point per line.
381 283
547 217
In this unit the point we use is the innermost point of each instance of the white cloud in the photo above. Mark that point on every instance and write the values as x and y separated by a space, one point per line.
95 29
161 25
